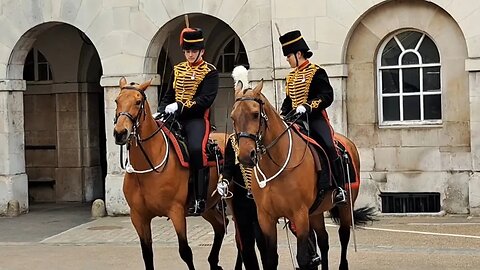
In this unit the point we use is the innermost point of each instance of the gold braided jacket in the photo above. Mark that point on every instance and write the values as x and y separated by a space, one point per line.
186 82
298 86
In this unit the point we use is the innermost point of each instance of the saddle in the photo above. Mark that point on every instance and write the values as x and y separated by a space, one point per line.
174 131
320 155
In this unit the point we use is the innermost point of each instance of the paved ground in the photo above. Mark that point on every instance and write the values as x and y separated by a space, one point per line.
64 237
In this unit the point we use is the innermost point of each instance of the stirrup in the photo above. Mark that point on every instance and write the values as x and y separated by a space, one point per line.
339 196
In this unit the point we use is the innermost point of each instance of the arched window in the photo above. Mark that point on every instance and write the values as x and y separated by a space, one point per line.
36 67
232 54
409 88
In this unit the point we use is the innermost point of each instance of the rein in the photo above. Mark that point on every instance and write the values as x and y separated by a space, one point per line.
136 134
261 148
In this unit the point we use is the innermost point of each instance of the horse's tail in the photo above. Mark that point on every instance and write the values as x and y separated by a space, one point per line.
361 216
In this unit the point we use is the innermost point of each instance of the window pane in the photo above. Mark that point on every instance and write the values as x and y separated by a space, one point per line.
431 79
410 59
391 108
242 59
28 72
391 53
409 39
42 72
230 48
229 62
390 81
411 80
411 108
41 58
429 51
433 106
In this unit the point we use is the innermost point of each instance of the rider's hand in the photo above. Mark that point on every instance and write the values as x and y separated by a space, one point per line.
301 109
171 108
156 115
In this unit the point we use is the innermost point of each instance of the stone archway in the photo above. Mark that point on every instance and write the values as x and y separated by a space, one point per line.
219 37
64 131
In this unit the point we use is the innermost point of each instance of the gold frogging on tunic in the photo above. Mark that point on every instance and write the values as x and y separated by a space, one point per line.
186 82
246 172
298 86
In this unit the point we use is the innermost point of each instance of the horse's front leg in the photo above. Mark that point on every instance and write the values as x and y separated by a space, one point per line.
216 220
269 230
142 226
179 222
304 251
318 224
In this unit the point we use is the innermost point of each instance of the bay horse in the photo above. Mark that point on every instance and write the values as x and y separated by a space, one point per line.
285 179
160 190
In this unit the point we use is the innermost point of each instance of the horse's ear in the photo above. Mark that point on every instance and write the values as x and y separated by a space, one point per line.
258 88
145 85
238 87
122 82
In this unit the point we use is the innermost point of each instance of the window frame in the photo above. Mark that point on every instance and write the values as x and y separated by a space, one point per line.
36 68
222 54
400 67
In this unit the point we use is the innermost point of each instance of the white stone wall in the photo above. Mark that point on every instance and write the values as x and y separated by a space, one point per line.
123 33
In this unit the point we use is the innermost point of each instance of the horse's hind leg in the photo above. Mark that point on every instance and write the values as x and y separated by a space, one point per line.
216 220
344 234
180 224
318 224
142 226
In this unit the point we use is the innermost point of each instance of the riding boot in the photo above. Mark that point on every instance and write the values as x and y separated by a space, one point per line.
200 186
339 194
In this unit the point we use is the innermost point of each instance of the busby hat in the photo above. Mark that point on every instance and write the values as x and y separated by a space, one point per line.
192 39
293 42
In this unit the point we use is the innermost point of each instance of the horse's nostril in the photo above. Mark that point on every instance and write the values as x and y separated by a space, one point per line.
253 156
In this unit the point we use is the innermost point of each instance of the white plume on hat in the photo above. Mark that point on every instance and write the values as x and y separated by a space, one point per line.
240 74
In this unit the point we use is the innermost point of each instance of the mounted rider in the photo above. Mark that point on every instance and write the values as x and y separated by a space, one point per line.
309 93
191 92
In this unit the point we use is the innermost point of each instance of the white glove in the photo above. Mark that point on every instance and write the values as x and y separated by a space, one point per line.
222 188
171 108
155 115
301 109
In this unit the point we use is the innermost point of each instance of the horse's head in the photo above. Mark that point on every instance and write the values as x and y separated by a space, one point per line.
249 122
131 102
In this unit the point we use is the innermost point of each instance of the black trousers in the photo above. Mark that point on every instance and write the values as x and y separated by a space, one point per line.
197 136
322 132
248 230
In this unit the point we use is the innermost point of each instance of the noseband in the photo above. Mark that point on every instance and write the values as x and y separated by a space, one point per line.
262 122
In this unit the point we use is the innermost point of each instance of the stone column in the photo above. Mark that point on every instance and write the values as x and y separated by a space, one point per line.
473 67
13 179
114 198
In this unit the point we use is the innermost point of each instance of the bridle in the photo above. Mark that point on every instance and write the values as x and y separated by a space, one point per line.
260 148
136 135
262 125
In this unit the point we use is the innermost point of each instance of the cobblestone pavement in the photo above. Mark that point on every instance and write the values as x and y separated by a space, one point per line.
450 242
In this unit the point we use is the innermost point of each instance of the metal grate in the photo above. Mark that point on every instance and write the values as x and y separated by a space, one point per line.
410 202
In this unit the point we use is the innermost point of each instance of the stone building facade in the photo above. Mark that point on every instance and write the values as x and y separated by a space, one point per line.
405 74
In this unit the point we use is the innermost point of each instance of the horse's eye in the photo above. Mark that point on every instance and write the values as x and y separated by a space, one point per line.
138 102
255 115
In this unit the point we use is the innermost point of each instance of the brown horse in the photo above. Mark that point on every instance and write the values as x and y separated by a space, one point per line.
285 183
161 192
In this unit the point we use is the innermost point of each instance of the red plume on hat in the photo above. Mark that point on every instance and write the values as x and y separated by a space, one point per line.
186 29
